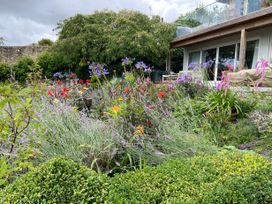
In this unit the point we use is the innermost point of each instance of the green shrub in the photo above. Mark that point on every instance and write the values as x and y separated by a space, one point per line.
4 72
224 178
57 181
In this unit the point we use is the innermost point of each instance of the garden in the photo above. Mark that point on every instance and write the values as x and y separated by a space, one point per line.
94 134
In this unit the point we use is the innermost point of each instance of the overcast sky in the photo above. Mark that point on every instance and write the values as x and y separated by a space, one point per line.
24 22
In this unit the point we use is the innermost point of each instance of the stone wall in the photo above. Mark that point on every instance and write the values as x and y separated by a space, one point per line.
9 54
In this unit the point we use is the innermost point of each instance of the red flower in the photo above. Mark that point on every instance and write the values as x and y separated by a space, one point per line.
161 94
58 82
88 81
50 93
64 92
81 81
127 90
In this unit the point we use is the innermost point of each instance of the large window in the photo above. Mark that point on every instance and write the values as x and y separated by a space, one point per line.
194 57
252 50
209 56
226 59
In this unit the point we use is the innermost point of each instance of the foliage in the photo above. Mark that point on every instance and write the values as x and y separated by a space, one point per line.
4 71
17 147
185 20
26 68
106 37
45 42
223 178
50 62
74 135
57 181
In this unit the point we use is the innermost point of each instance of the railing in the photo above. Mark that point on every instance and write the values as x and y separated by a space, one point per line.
219 12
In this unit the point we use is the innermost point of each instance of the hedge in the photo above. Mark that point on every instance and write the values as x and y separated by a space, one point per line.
228 177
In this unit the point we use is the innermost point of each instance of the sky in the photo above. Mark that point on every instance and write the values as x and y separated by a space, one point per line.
23 22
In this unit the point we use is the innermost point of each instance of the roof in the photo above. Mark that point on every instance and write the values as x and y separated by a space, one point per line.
255 20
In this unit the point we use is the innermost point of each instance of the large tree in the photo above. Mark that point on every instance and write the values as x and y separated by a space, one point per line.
107 36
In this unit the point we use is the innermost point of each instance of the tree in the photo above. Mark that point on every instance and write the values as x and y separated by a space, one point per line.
107 37
2 41
45 42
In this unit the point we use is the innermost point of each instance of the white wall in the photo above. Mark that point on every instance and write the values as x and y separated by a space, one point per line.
263 35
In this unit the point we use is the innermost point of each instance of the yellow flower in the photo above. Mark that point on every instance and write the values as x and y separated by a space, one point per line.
56 101
80 92
139 130
120 99
116 109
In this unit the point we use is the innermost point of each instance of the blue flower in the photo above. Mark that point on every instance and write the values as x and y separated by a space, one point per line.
184 78
141 65
127 61
58 75
97 69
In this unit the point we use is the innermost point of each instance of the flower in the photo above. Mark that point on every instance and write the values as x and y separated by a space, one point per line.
170 87
85 87
184 78
58 82
80 92
127 90
81 81
161 94
261 65
58 75
88 81
141 65
97 69
120 99
194 66
139 130
126 61
223 84
208 64
64 92
50 93
116 109
56 101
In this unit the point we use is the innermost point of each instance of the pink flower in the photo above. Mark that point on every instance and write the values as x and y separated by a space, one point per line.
261 65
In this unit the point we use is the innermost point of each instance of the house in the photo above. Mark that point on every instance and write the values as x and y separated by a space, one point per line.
232 32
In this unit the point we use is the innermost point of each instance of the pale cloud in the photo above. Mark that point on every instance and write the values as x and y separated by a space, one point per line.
27 21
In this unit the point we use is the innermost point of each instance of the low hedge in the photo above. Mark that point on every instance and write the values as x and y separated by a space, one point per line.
57 181
223 178
228 177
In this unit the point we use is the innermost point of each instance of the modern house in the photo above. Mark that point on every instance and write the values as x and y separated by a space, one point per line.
233 32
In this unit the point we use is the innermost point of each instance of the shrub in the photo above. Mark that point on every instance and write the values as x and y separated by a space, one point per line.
223 178
57 181
45 42
4 72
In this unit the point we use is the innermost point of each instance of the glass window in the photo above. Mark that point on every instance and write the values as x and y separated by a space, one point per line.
194 57
252 50
209 57
226 59
253 5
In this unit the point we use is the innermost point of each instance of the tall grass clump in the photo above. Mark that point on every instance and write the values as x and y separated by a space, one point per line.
70 133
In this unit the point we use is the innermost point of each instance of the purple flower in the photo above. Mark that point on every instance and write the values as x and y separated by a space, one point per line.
223 84
208 64
261 65
194 66
184 78
127 61
97 69
141 65
58 75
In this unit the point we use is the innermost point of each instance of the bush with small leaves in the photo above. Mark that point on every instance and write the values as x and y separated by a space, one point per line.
57 181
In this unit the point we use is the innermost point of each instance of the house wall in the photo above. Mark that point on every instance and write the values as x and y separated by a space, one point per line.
263 35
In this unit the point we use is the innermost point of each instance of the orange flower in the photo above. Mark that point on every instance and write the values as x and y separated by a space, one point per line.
139 130
161 94
127 90
116 109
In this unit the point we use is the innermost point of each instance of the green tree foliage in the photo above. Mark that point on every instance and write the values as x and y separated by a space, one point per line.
185 20
45 42
107 37
2 40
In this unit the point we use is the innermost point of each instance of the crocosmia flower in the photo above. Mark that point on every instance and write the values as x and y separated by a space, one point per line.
116 109
88 81
58 82
127 90
139 130
81 81
161 94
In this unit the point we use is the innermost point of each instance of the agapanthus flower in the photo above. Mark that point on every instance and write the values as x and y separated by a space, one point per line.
208 64
141 65
194 66
184 78
58 75
126 61
97 69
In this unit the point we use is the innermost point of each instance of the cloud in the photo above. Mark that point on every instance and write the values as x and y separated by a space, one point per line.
27 21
